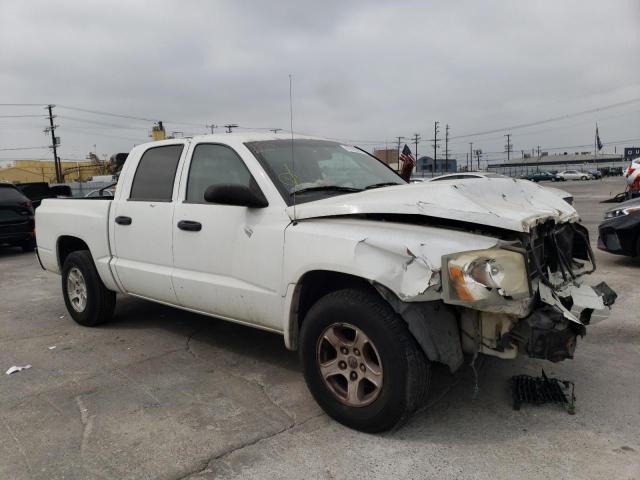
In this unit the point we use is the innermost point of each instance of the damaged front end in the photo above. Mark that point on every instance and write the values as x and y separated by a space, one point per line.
527 296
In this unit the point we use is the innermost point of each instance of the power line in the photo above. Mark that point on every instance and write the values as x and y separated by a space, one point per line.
22 148
22 105
22 116
552 119
131 117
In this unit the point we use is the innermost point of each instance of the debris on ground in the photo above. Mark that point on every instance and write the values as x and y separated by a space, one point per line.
17 368
542 389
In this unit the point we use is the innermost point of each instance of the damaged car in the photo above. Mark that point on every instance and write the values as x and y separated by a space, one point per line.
372 280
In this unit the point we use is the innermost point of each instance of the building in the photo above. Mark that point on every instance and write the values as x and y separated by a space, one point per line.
582 161
424 167
387 155
24 171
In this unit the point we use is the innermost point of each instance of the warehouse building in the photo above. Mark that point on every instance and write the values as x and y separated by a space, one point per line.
24 171
582 161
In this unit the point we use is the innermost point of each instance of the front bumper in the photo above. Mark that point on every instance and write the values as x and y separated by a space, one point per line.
550 332
618 235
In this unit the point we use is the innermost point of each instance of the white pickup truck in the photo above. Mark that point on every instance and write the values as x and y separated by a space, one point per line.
369 277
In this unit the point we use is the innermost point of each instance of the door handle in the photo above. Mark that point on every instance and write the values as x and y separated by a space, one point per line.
123 220
189 225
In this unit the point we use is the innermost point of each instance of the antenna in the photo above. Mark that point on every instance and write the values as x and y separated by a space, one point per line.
293 165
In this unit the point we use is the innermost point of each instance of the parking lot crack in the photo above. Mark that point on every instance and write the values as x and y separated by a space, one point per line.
187 346
206 466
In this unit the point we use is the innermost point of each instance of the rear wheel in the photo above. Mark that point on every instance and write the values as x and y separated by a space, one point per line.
584 178
88 301
361 363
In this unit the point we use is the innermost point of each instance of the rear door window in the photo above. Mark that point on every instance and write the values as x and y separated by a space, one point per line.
156 173
10 194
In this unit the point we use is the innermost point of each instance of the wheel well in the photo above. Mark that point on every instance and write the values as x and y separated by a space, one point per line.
311 287
67 245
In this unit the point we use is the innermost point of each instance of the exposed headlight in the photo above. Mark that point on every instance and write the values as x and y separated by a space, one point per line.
619 212
477 275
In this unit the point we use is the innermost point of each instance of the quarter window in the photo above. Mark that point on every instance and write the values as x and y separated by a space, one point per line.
156 173
215 165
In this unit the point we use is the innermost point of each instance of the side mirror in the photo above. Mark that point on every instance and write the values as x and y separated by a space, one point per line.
235 194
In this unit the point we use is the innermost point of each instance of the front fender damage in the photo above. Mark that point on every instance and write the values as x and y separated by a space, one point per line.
405 270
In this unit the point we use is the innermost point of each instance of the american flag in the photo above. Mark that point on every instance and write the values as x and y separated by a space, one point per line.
407 161
406 157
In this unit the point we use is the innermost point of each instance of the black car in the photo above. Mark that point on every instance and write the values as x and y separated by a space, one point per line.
620 231
38 191
16 218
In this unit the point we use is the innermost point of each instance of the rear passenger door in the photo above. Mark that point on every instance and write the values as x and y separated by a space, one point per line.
142 223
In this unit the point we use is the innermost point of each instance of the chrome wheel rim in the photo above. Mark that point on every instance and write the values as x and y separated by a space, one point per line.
77 290
349 364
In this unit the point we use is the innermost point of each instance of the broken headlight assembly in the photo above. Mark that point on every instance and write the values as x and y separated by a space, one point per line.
484 275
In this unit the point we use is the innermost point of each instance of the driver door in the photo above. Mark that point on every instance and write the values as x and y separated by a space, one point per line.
228 259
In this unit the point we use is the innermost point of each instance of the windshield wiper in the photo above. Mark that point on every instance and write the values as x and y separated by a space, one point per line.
326 188
378 185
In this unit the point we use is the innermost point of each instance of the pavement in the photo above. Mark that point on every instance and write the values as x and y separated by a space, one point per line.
159 393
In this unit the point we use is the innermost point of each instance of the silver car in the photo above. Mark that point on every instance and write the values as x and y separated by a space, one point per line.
573 175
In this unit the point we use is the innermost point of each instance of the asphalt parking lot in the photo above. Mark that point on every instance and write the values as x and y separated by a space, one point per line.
163 394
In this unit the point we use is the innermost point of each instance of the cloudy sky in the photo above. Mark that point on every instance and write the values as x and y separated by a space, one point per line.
364 72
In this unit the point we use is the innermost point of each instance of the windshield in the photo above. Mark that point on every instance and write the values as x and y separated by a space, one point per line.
322 168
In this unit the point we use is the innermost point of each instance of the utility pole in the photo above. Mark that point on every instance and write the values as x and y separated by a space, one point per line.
275 130
470 155
230 126
416 139
212 127
538 151
446 148
399 141
508 147
54 144
478 155
436 129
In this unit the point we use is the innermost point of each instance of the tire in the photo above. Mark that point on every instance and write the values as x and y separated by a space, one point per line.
404 371
584 178
99 302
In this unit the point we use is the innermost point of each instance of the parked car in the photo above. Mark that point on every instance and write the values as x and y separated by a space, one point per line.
370 278
100 192
38 191
620 231
539 176
16 218
596 174
573 175
566 196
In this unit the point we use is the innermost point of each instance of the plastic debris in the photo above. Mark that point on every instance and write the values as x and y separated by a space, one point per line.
17 368
539 390
52 347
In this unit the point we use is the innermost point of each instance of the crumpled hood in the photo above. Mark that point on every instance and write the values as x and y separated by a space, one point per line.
505 203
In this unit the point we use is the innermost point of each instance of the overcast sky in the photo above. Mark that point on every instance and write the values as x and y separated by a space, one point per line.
362 71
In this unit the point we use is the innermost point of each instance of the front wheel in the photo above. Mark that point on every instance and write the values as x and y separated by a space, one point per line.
88 301
584 178
360 362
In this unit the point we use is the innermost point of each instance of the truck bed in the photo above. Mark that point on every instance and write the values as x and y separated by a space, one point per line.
83 219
